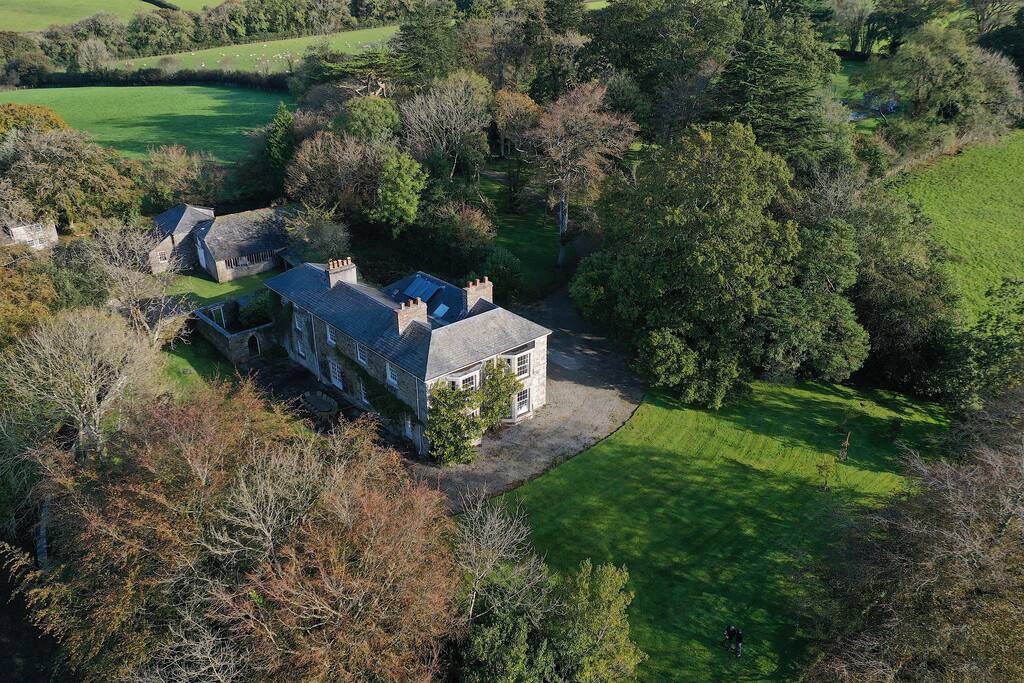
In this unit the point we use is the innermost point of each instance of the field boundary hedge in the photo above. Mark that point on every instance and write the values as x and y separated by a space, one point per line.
156 76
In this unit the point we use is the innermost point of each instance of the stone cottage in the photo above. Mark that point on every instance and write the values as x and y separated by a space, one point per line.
227 247
33 235
175 229
406 337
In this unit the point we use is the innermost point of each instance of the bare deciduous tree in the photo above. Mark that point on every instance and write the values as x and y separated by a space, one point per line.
72 370
930 587
490 541
448 119
991 14
93 55
122 256
330 170
577 139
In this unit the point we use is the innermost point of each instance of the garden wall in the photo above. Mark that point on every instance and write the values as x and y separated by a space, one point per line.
238 347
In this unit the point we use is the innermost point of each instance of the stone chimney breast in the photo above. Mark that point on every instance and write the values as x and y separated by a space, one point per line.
477 290
409 312
341 270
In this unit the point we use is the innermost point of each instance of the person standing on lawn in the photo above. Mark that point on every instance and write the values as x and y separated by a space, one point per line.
739 642
730 634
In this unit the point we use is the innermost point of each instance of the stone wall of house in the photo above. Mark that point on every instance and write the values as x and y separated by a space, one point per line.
538 379
237 347
225 274
183 250
410 390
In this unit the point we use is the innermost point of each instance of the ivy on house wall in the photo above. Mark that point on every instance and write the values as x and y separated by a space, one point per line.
378 395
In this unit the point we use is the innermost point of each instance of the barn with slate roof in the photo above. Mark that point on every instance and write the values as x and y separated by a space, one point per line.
227 247
406 337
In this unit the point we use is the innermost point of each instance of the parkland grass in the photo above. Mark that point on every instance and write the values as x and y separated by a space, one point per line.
272 56
532 236
715 513
976 202
135 119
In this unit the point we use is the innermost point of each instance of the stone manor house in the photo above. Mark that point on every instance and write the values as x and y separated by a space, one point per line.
390 344
406 337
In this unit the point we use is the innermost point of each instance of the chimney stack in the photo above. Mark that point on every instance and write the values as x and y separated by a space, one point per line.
410 311
341 270
475 291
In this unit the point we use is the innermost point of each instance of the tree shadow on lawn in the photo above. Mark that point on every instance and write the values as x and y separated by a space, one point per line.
219 130
818 416
708 542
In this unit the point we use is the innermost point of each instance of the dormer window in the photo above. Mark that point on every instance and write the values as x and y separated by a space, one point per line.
361 354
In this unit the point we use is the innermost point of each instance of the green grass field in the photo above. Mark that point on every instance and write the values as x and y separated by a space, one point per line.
36 15
272 55
200 289
135 119
714 513
976 201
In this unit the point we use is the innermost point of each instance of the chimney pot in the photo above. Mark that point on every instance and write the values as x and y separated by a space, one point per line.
341 270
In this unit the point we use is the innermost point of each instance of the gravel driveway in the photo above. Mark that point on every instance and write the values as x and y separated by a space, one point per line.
591 393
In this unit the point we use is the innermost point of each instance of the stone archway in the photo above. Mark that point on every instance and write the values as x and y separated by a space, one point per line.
254 345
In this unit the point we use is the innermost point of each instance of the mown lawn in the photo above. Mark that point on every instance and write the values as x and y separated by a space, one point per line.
201 289
189 364
135 119
976 201
715 513
271 55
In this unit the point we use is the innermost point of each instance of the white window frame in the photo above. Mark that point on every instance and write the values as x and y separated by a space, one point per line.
391 373
300 320
362 392
332 339
361 354
529 365
336 375
472 377
410 433
518 401
161 256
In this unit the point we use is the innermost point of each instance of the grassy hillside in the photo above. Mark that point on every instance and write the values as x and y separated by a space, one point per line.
714 514
135 119
976 201
272 55
36 15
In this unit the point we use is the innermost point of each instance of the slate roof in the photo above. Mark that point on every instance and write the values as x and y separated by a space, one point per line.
241 234
181 219
367 315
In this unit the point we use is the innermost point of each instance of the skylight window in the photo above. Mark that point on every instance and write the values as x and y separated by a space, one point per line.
441 310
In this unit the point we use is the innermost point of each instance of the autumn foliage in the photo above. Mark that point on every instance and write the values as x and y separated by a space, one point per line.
219 540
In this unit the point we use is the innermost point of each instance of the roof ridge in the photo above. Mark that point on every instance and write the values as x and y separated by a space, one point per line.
359 291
